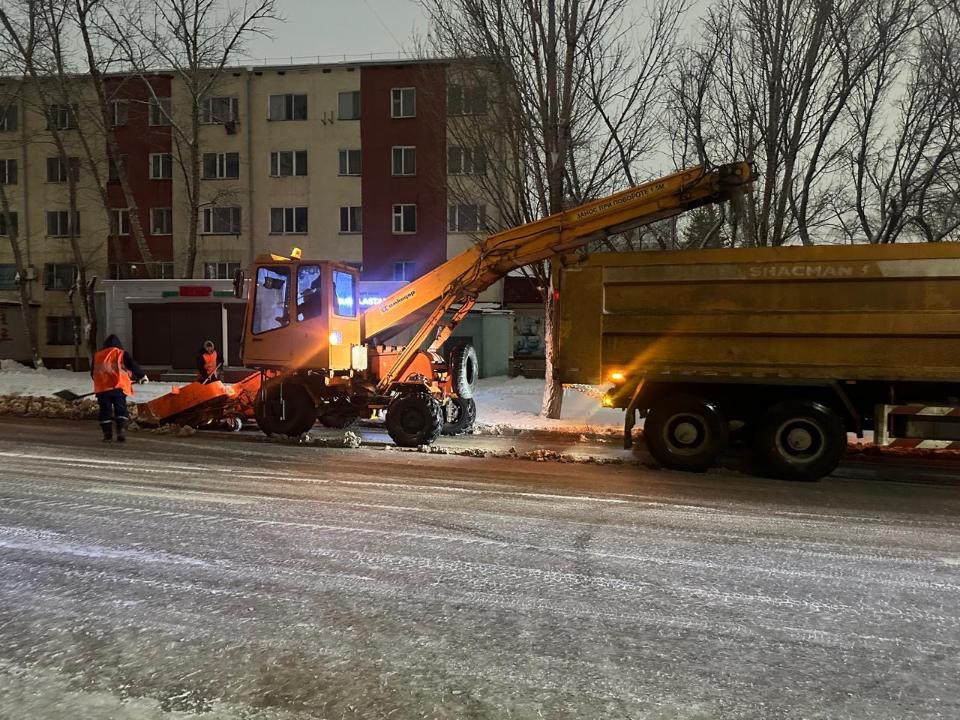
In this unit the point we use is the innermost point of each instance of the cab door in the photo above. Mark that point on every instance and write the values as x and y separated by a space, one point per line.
265 343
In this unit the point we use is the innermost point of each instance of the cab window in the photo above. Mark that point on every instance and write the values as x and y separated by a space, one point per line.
344 294
309 297
270 303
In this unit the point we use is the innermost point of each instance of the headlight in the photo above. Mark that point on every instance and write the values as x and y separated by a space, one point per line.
617 376
336 337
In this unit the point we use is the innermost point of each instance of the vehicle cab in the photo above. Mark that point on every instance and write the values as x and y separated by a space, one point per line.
302 315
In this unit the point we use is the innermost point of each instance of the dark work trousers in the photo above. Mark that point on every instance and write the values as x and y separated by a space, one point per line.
113 404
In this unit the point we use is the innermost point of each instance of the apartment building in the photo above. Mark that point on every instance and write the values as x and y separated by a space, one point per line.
346 161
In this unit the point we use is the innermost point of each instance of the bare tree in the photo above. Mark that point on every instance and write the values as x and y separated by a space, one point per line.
193 39
573 90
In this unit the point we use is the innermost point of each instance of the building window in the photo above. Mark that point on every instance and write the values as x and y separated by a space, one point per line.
119 112
403 271
219 110
348 105
161 221
284 163
404 102
404 160
220 270
58 223
120 221
288 220
465 161
8 172
404 219
349 162
63 329
8 276
61 117
161 270
466 218
221 221
160 111
8 223
221 166
59 276
288 107
466 99
161 166
351 219
8 118
57 169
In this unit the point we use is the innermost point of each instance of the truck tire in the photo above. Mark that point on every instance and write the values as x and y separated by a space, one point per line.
685 432
284 408
461 415
800 440
464 370
414 419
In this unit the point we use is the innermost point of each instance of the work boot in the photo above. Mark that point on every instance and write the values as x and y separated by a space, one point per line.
122 429
107 428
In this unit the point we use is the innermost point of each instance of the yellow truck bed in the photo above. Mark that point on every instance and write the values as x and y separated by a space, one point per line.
863 312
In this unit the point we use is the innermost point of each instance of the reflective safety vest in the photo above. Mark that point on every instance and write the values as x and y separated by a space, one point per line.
209 365
109 372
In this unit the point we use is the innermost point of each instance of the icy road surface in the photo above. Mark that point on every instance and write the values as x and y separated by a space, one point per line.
207 578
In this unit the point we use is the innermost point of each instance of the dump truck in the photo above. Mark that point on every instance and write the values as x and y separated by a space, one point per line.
783 350
334 363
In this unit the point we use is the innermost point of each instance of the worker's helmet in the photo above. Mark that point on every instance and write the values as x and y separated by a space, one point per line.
209 346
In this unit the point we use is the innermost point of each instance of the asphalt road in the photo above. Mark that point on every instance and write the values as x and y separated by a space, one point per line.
214 577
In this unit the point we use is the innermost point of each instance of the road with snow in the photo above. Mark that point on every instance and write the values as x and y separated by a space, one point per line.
218 577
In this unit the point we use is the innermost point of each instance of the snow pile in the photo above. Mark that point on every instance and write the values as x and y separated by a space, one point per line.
19 380
508 404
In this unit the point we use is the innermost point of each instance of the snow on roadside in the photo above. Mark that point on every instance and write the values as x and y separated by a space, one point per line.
514 403
17 379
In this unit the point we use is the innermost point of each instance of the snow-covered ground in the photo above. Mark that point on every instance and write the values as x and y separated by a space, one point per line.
507 402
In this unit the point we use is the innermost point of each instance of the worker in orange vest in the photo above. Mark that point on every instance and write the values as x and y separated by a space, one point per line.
113 371
208 363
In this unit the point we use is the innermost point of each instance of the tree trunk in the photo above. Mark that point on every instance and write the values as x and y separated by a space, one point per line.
29 327
190 266
552 389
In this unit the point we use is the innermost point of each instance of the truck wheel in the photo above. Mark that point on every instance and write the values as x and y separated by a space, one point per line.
414 419
284 408
800 440
685 432
464 370
461 415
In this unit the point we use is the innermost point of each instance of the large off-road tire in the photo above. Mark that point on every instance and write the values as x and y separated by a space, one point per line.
414 419
284 408
464 370
461 416
799 440
685 432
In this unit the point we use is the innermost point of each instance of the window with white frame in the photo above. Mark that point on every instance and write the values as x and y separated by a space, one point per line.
288 220
161 221
221 166
351 219
466 218
119 112
348 105
120 221
8 171
219 110
63 329
465 99
220 221
349 161
161 166
8 118
285 163
59 276
160 111
61 117
287 107
404 160
465 161
403 102
404 270
58 170
59 225
8 223
404 218
220 270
